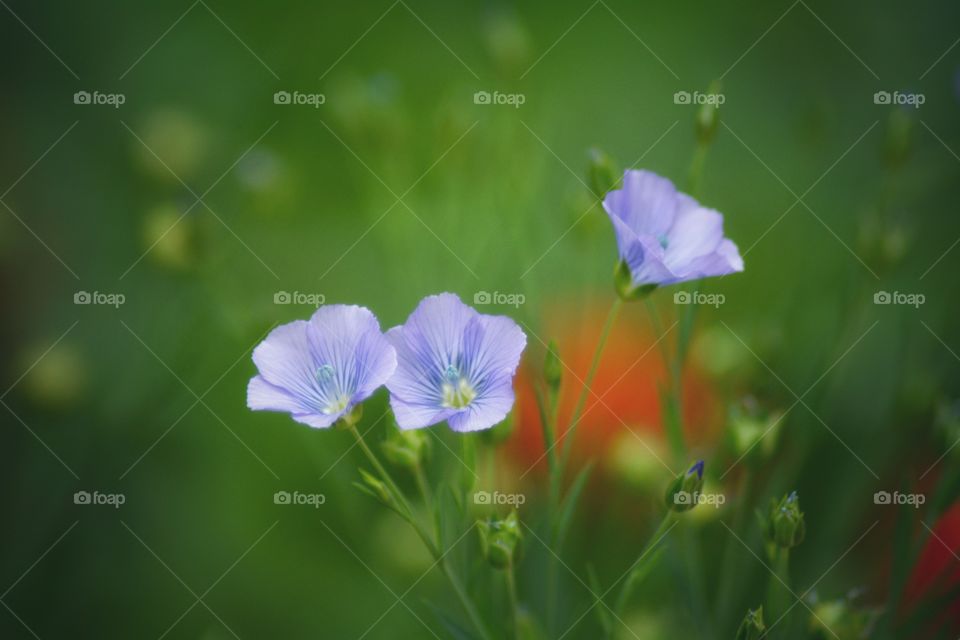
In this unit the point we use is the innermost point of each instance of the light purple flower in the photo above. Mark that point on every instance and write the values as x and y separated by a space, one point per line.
665 236
453 364
319 370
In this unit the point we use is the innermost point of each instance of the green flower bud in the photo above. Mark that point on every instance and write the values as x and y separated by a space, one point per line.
602 173
752 627
552 367
406 449
752 431
373 486
785 526
708 115
623 283
841 618
501 540
684 492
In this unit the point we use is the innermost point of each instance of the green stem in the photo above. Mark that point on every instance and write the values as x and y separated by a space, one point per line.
568 436
696 167
465 600
776 591
401 499
514 607
407 514
672 415
636 573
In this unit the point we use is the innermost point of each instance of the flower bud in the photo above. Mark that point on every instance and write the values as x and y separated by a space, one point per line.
753 431
501 540
602 173
373 486
708 116
552 367
752 627
785 526
406 449
623 283
684 492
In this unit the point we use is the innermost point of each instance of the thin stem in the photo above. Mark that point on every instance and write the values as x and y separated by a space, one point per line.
672 418
696 167
633 579
439 557
465 600
384 474
582 400
514 607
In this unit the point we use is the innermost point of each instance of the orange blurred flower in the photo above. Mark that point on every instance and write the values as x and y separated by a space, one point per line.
624 394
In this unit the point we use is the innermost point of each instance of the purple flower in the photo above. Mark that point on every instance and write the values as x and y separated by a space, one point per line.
319 370
665 236
453 364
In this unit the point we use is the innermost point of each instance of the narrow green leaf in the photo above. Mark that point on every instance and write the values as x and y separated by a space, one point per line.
569 505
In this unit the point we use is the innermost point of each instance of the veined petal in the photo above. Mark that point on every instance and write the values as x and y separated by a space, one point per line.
319 370
489 409
646 203
696 232
492 348
263 396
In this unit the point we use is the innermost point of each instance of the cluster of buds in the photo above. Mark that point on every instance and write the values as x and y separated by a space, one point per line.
683 494
784 527
501 540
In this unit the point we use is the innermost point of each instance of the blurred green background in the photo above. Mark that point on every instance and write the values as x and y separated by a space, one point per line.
199 199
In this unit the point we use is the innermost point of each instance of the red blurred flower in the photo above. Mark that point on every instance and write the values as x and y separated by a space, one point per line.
937 573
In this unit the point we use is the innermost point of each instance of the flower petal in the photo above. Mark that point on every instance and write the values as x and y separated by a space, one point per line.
347 338
263 396
492 346
429 342
646 203
696 232
284 360
487 410
415 415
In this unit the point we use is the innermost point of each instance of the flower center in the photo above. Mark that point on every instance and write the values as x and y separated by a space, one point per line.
662 239
336 405
336 400
457 390
324 374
